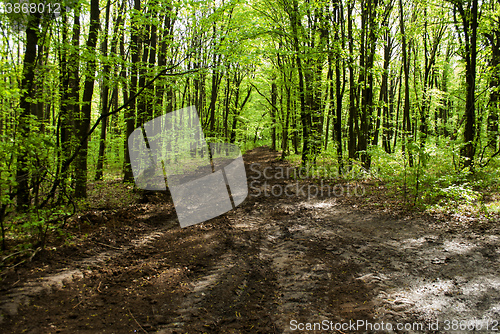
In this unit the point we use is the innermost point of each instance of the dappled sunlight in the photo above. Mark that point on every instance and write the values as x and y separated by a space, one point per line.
457 298
321 204
458 246
411 242
481 284
442 278
317 203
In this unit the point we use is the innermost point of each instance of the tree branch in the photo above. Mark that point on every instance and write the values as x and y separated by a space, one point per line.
68 162
258 91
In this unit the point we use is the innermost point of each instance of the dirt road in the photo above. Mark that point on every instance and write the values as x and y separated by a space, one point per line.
275 264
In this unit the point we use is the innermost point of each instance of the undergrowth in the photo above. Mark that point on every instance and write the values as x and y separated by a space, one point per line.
434 183
28 233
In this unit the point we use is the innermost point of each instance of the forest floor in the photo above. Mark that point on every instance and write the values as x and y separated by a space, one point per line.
272 265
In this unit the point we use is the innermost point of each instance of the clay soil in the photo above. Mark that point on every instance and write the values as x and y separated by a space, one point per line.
272 265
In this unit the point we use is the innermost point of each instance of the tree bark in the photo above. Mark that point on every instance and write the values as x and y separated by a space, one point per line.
83 123
104 97
469 26
274 107
406 131
130 113
353 88
29 62
304 112
494 102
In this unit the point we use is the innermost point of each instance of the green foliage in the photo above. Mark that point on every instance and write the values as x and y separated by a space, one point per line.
442 187
108 194
32 228
327 168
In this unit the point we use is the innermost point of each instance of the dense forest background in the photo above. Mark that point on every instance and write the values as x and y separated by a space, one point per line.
404 92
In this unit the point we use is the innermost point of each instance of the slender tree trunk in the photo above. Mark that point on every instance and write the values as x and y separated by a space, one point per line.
363 135
304 112
150 93
384 94
494 102
470 24
22 174
281 61
398 107
353 88
388 117
83 123
165 41
104 98
284 142
144 50
338 117
406 131
234 125
430 60
65 118
331 95
238 109
274 107
74 94
130 112
369 41
339 87
215 86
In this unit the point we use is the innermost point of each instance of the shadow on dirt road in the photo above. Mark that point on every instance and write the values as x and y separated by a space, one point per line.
275 264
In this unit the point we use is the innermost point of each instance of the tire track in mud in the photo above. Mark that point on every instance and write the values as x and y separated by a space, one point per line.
275 270
10 303
263 257
232 296
315 285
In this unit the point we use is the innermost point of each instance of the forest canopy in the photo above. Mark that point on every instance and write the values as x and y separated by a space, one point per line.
404 91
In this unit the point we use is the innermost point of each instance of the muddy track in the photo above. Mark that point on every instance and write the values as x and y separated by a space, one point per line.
269 265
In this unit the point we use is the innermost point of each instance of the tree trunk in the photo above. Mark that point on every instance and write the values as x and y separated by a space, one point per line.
274 107
22 173
331 95
305 115
215 86
469 21
353 89
494 103
83 122
65 123
284 142
339 91
104 98
144 50
406 131
130 112
384 90
74 94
